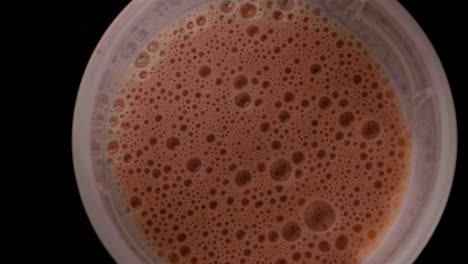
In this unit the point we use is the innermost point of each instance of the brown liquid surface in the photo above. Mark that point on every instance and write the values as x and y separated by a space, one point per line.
259 132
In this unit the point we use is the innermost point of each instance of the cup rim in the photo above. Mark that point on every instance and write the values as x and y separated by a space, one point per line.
430 217
110 234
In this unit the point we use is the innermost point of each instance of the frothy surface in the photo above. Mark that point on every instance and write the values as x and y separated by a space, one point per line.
259 132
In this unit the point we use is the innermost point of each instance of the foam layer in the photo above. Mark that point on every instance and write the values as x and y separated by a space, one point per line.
258 132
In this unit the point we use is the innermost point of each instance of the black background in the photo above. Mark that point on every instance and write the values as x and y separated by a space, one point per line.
86 21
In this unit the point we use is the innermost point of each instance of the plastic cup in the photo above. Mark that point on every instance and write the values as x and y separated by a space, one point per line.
383 25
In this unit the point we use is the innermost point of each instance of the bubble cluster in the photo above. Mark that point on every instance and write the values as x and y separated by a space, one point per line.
258 132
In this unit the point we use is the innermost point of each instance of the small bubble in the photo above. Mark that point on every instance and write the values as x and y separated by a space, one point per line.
319 216
370 130
346 119
258 102
288 97
143 74
240 234
277 15
242 100
357 79
201 21
298 173
291 231
258 204
184 251
193 164
212 191
252 30
181 237
317 11
153 46
296 256
135 202
156 173
281 261
324 246
343 103
324 103
190 25
127 158
339 135
119 105
212 205
204 71
167 168
265 126
321 154
153 141
378 184
279 218
113 147
298 157
172 143
114 121
240 81
340 43
341 242
285 4
243 178
261 167
315 69
273 236
188 183
357 228
372 234
248 10
363 156
276 144
227 6
173 258
142 60
284 116
210 138
232 167
280 170
305 103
